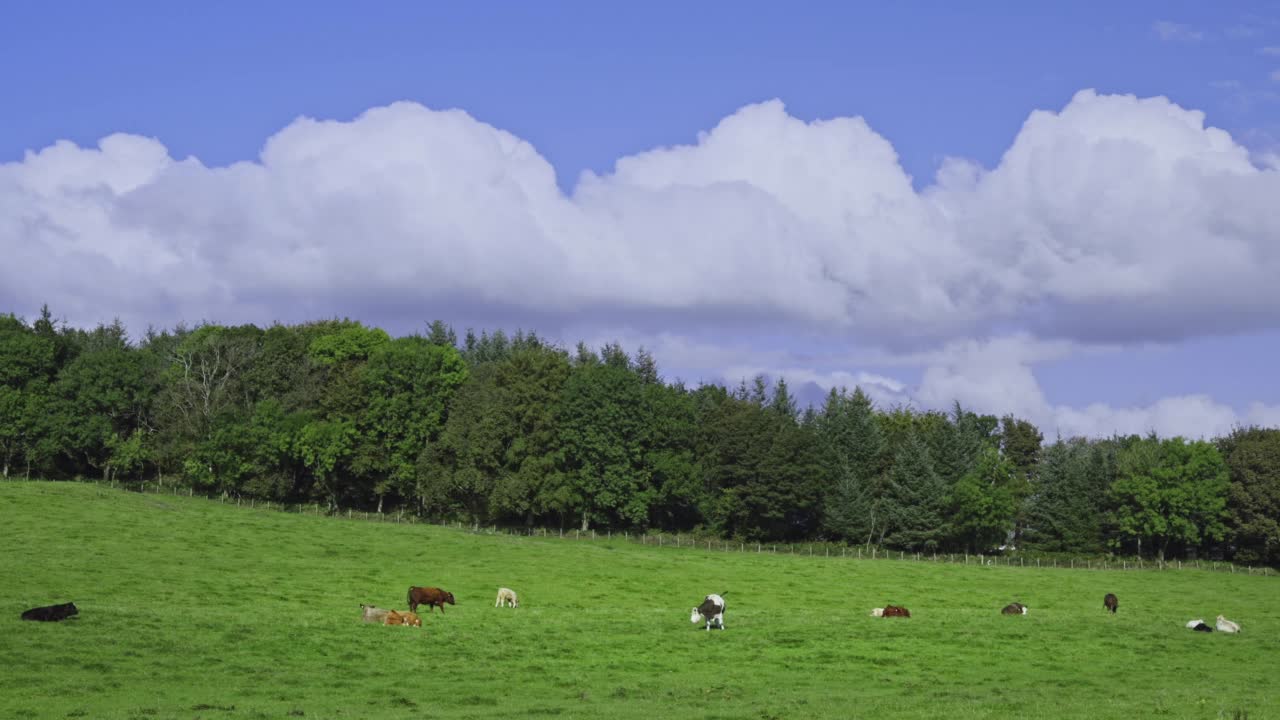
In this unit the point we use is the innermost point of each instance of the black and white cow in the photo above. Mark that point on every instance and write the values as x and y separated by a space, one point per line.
711 611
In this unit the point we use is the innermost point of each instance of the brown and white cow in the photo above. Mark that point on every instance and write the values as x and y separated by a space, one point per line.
895 611
1111 602
1014 609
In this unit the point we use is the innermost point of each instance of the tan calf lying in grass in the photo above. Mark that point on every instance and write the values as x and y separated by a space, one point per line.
402 618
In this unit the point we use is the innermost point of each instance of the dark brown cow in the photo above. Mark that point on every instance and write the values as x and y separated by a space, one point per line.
432 597
1015 609
896 611
1111 602
51 613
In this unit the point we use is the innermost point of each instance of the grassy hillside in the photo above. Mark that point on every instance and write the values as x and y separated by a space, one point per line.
190 609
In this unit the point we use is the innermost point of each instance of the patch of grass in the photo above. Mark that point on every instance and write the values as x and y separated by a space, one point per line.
189 608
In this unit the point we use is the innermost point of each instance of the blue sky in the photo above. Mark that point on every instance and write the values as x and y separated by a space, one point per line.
586 84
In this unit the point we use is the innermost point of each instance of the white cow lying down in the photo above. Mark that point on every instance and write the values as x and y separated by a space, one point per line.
1226 626
710 611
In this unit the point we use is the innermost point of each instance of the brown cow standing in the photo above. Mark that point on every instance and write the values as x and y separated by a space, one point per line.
1111 602
432 597
896 611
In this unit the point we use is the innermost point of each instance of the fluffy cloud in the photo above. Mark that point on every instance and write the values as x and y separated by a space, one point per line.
1114 220
1132 205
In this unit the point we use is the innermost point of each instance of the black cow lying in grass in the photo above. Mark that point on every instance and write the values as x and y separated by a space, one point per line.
51 613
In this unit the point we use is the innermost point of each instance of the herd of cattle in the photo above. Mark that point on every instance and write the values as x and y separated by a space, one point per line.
710 613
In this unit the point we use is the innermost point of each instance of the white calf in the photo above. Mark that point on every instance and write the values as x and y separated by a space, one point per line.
507 596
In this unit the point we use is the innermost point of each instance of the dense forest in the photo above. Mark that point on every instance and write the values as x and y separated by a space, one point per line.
510 429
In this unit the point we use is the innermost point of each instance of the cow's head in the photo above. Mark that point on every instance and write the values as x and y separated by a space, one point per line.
448 597
696 617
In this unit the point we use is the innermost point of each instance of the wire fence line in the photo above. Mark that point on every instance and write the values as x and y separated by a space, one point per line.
680 540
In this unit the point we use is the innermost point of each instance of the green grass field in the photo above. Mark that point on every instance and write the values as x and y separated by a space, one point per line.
193 609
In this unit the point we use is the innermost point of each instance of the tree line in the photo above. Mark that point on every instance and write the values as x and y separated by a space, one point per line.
512 429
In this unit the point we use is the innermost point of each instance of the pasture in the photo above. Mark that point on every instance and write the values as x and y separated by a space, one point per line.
193 609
